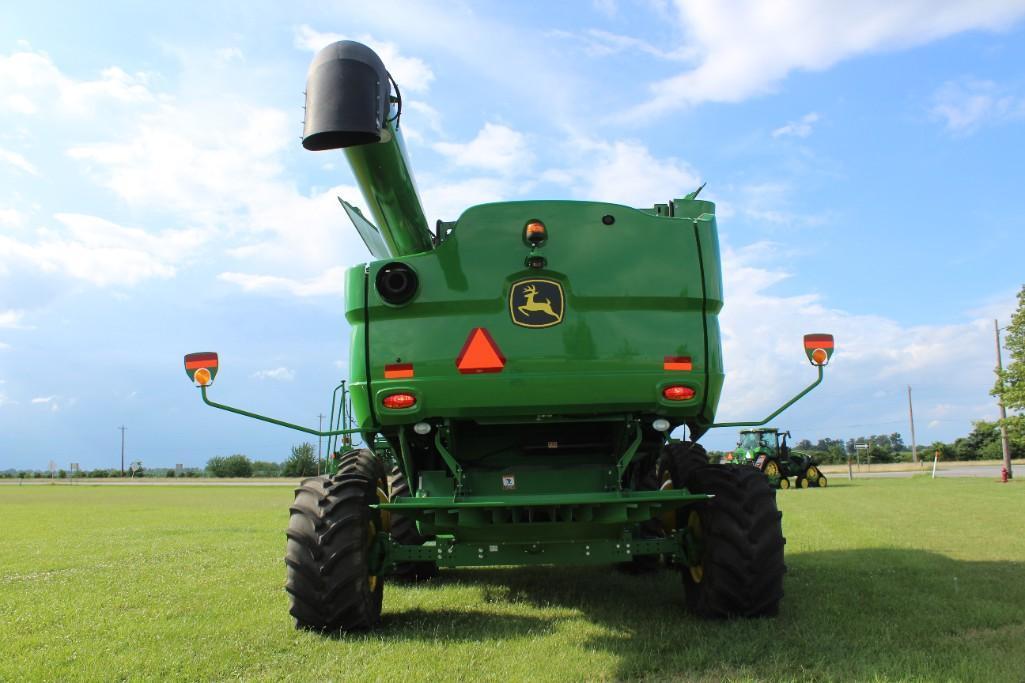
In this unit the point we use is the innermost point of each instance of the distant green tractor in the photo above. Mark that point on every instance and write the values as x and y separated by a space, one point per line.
766 448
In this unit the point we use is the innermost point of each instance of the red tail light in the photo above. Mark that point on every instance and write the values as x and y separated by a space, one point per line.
678 393
398 401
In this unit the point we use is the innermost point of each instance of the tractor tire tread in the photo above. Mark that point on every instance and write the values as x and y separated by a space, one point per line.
742 561
327 575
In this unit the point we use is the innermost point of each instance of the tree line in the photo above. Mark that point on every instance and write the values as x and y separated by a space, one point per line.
302 462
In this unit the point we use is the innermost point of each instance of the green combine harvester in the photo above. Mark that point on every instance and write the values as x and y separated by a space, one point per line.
766 448
523 367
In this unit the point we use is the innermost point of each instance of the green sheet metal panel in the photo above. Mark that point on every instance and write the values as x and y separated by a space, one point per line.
635 292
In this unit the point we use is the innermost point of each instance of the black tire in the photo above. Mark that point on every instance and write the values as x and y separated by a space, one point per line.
404 532
328 552
740 572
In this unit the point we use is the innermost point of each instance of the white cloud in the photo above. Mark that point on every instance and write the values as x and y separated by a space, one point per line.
965 106
31 83
516 60
747 48
277 374
219 165
496 148
799 129
18 161
50 402
762 332
418 116
598 43
447 199
770 204
624 171
186 156
101 252
411 73
11 319
11 218
330 282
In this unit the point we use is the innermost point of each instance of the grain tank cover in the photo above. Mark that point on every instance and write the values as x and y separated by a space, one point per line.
347 97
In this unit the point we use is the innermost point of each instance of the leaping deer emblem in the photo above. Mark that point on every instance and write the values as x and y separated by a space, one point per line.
543 306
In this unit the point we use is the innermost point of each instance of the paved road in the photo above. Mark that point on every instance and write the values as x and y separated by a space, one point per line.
987 471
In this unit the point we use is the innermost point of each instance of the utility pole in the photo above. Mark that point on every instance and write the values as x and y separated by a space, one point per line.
911 416
122 428
320 439
1000 402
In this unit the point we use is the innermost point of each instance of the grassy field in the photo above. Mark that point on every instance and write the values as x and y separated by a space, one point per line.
888 580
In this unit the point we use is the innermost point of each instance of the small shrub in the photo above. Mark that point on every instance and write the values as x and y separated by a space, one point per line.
301 463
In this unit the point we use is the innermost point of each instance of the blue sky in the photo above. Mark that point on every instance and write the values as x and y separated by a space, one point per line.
155 200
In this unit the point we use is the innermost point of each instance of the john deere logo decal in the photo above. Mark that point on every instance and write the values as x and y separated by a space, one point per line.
536 303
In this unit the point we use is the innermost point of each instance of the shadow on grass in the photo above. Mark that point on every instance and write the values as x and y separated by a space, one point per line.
459 625
858 614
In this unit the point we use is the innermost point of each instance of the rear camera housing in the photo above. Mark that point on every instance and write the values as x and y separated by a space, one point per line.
397 283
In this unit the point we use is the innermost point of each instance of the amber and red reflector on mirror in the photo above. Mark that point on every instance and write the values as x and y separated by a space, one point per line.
398 371
399 401
677 392
201 367
819 348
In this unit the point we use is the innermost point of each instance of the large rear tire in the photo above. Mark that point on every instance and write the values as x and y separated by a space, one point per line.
404 532
331 534
739 569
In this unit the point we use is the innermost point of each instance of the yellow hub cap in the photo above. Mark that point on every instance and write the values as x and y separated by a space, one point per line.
812 473
697 571
771 469
784 483
805 483
822 481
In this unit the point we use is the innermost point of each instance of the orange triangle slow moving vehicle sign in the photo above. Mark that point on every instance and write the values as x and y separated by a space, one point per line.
480 354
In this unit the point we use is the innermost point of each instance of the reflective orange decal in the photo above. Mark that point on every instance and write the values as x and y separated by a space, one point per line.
398 371
677 363
480 354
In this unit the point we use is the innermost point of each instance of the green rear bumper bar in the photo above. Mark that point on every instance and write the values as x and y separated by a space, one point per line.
613 507
448 553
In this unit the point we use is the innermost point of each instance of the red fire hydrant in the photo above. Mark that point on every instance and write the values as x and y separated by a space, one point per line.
1003 475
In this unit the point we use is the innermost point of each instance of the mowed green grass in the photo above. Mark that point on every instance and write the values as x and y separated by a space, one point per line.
888 580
